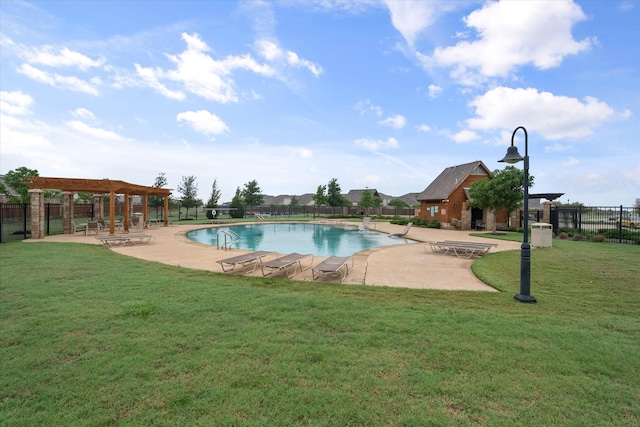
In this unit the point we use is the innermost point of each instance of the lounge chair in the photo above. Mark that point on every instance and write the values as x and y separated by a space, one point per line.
366 224
252 258
285 263
466 249
403 232
333 266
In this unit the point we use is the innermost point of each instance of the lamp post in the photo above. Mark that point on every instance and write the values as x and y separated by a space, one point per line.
512 157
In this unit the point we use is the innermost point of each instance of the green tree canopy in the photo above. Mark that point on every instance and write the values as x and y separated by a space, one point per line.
213 200
334 196
320 198
160 182
189 190
237 203
504 190
368 200
251 194
398 203
15 180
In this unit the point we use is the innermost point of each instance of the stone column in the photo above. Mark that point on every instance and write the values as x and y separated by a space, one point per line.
546 211
98 206
465 217
67 213
37 213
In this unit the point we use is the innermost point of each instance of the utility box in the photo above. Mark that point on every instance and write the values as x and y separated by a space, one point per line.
541 234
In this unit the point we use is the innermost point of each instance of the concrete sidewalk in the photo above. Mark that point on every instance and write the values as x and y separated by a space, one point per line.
405 265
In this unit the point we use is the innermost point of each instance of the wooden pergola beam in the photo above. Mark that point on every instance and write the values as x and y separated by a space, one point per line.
103 186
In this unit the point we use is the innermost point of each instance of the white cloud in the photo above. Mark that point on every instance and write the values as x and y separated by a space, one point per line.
396 122
150 78
512 34
376 145
464 136
206 77
365 106
571 161
423 128
93 132
273 53
83 113
552 116
204 122
63 58
60 82
410 18
434 91
15 103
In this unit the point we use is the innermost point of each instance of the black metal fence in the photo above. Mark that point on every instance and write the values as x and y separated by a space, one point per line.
609 223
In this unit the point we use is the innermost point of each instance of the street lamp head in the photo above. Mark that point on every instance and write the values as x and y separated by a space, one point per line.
512 156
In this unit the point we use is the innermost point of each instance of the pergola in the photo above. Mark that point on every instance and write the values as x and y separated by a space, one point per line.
98 187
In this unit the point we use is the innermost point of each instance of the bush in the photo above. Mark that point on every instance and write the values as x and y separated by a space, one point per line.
597 238
434 223
564 235
577 237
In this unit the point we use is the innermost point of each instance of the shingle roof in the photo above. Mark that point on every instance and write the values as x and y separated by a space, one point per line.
449 180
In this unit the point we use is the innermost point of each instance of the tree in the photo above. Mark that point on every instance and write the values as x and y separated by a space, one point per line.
237 205
334 196
637 206
251 194
398 203
213 200
189 190
320 198
368 200
504 190
160 182
84 197
15 180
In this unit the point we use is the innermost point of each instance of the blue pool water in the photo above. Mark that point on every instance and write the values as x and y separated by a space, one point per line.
317 239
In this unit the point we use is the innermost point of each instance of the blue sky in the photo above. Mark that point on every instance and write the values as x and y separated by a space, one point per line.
378 94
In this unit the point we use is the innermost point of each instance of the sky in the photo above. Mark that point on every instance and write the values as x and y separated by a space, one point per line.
377 94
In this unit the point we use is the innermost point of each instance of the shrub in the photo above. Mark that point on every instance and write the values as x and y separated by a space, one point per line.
598 238
577 237
434 223
564 235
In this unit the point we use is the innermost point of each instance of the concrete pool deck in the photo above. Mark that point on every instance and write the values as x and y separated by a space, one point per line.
404 265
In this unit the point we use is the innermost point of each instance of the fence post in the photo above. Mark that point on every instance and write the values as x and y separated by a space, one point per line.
620 225
47 212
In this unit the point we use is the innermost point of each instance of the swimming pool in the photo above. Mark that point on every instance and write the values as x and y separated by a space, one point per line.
317 239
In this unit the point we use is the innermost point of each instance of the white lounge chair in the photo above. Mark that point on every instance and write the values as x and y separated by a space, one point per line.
253 258
366 224
285 263
333 266
403 232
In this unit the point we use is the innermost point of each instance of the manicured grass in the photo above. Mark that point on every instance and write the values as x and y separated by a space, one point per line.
90 337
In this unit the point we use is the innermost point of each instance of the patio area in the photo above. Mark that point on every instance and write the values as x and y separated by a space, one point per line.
405 266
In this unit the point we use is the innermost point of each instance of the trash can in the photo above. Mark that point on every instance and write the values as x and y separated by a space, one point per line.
541 233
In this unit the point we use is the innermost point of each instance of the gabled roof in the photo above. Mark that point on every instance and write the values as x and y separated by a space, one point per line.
450 179
354 196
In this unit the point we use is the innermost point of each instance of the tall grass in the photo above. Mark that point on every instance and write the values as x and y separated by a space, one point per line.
90 337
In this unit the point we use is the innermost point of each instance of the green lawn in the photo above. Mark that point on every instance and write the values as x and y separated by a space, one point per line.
90 337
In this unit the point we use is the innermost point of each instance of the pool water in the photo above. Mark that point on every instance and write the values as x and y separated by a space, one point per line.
317 239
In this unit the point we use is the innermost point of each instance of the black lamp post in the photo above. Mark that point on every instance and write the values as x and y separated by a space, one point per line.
525 250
